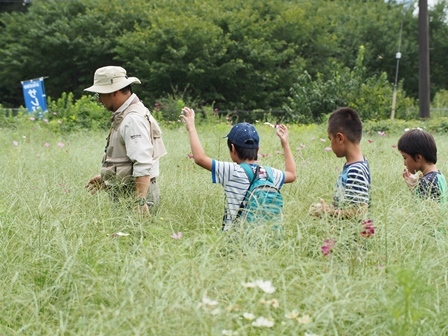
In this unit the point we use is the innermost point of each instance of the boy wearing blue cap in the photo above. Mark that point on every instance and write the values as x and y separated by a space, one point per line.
243 143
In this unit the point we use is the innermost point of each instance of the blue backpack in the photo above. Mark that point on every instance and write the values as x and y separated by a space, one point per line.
263 201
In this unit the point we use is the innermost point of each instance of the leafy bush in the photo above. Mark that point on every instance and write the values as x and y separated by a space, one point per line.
370 96
83 113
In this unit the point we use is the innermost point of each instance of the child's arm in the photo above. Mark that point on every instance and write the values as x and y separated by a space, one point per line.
200 158
290 165
321 209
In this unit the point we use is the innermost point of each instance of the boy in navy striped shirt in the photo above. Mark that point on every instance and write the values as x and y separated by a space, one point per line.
352 190
243 143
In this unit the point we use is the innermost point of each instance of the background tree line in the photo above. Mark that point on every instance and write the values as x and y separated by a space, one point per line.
231 54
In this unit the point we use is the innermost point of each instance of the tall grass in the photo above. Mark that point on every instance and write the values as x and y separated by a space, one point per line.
64 273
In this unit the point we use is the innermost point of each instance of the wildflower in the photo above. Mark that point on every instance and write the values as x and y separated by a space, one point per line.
292 315
15 143
273 302
60 144
207 302
32 118
119 234
270 125
309 334
369 229
45 120
47 144
263 155
265 286
176 235
59 121
24 136
323 140
327 149
229 332
370 141
190 156
263 322
249 316
380 133
54 113
394 146
328 246
305 319
215 311
234 308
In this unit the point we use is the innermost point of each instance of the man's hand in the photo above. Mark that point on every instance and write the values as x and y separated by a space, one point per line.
95 184
188 117
142 210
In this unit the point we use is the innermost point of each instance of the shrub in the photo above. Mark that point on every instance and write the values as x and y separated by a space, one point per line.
370 96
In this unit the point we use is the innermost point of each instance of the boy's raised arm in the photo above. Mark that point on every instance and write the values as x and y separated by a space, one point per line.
200 158
290 165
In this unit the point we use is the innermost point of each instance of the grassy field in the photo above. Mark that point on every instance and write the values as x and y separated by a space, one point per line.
63 271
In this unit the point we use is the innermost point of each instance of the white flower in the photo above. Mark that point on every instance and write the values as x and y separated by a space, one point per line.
274 303
310 334
263 322
292 315
265 286
207 302
215 311
229 333
249 316
305 319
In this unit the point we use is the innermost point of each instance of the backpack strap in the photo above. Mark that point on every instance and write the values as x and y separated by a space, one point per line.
252 178
269 174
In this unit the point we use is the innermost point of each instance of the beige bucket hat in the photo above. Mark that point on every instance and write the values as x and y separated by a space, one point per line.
109 79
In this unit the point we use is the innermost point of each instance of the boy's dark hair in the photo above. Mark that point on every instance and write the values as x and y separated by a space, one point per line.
346 120
244 153
417 141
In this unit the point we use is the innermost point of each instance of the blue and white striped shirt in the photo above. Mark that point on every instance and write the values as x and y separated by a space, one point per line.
353 185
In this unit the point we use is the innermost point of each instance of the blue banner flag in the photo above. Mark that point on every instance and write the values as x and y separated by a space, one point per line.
34 94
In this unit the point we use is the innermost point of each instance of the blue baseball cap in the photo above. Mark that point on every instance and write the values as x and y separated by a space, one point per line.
244 135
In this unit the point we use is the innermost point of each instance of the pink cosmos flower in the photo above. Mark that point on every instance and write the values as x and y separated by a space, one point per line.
15 143
327 149
190 156
47 144
45 120
176 235
380 133
328 246
60 144
370 141
54 113
369 229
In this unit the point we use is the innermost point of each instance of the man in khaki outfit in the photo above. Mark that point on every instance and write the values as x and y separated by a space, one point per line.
130 164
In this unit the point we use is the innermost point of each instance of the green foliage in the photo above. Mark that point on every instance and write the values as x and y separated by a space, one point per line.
370 96
85 113
229 54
